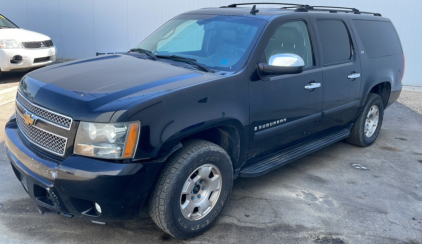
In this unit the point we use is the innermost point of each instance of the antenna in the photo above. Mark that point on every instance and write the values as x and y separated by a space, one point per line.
254 10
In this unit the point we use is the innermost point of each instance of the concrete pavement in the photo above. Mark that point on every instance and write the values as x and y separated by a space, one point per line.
9 82
323 198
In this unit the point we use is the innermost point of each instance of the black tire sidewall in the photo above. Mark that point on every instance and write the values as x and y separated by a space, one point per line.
193 228
376 100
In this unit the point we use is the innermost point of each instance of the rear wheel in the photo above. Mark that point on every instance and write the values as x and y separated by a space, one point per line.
368 125
192 190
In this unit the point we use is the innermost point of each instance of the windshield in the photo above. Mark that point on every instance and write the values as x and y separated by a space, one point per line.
6 23
218 42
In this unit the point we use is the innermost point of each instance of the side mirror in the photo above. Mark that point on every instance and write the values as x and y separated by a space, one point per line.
280 64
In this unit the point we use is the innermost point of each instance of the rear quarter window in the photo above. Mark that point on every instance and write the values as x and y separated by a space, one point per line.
379 38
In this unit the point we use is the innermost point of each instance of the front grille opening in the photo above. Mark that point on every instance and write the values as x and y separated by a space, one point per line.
16 59
53 117
41 44
84 207
41 195
41 138
41 60
39 151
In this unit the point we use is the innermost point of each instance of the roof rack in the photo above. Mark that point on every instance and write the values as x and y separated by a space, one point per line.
306 8
341 9
239 4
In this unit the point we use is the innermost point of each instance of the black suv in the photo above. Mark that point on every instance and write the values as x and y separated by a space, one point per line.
212 95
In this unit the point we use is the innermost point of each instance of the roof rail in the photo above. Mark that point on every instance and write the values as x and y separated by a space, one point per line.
375 14
331 9
305 8
325 7
234 5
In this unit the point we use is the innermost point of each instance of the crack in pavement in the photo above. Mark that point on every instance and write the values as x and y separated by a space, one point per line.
392 222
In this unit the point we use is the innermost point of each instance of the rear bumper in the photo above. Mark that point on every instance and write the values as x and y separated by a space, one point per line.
29 58
71 187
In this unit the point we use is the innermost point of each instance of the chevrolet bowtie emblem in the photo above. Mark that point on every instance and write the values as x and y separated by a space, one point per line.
28 119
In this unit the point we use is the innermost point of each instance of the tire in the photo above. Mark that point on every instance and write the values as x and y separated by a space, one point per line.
360 135
167 199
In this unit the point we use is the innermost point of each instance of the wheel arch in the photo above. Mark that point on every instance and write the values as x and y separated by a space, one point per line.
383 89
228 134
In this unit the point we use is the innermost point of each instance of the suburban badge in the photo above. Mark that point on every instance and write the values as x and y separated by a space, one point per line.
276 122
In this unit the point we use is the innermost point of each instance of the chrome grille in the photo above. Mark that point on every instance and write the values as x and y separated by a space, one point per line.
48 43
41 138
49 116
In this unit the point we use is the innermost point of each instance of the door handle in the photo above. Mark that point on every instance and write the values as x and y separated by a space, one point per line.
312 86
353 76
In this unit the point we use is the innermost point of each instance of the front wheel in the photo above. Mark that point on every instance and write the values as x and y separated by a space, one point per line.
368 125
192 190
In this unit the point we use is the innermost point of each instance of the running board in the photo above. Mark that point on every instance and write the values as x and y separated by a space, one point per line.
293 153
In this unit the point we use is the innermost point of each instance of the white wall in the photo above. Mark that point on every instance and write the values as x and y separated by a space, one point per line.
80 28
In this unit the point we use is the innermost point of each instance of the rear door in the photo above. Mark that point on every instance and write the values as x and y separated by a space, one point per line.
341 72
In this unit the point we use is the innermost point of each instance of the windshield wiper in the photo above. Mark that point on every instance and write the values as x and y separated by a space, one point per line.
190 61
3 26
144 51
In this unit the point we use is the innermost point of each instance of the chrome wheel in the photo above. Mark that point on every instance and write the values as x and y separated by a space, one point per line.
372 120
200 192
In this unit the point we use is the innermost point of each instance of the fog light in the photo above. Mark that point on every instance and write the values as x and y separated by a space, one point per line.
16 59
97 207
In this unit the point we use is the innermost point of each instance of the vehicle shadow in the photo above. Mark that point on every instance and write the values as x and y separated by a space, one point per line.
11 77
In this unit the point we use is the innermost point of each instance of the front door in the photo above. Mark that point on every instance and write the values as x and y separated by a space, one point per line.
282 110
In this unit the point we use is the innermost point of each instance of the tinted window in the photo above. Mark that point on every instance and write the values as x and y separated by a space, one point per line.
335 41
188 36
219 42
372 33
292 37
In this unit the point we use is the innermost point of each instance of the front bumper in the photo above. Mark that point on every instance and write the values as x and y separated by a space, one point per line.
28 55
72 186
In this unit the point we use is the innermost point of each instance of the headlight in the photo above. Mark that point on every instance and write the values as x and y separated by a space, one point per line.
107 140
9 44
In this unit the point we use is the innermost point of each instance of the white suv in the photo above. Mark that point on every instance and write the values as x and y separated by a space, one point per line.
22 49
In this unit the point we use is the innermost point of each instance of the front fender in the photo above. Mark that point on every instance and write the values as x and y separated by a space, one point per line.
175 115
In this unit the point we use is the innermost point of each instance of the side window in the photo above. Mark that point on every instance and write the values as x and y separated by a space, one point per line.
372 33
292 37
335 41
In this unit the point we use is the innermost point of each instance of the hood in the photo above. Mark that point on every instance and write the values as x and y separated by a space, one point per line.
22 35
93 89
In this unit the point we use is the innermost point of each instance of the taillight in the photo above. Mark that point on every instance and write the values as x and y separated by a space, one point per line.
404 67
